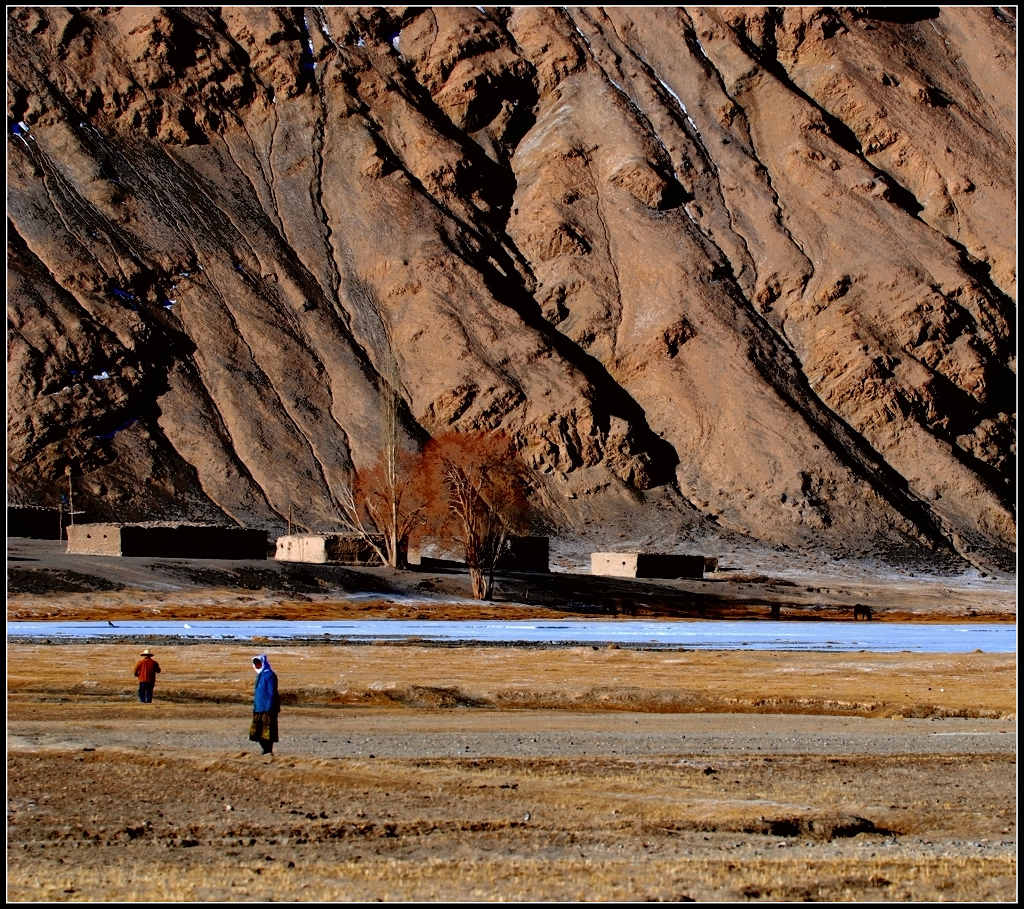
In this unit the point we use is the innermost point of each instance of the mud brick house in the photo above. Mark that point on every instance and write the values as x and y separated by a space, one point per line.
169 540
520 554
524 554
340 548
38 522
649 565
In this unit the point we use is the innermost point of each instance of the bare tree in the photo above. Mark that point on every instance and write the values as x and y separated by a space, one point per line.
392 483
382 504
355 520
484 488
385 504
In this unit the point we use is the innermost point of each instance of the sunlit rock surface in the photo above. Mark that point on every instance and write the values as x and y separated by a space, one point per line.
741 271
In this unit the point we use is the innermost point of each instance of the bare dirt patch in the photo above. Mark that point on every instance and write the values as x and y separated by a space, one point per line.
99 825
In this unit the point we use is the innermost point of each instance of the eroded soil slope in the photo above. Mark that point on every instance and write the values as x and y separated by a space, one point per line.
755 265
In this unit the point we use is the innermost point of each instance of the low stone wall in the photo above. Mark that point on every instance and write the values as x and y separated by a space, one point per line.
426 563
647 565
173 541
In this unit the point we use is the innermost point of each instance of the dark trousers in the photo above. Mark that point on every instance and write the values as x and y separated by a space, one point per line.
263 729
146 692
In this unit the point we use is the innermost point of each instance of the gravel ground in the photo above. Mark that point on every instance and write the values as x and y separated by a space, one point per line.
394 734
414 806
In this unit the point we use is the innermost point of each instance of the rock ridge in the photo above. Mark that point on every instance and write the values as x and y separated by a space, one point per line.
746 271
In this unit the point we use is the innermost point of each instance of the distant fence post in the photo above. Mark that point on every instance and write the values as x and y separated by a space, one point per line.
71 501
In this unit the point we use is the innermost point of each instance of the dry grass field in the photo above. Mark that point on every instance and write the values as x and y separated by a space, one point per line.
490 773
499 773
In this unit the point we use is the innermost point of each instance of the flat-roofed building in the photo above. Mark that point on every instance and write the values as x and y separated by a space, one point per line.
647 565
524 554
39 522
521 553
167 539
321 548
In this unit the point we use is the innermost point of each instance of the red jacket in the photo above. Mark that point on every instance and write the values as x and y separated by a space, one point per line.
146 669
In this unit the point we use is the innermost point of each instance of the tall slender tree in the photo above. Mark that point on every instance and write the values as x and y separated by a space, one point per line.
383 504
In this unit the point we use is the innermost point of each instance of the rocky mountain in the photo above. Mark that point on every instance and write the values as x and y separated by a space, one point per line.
736 271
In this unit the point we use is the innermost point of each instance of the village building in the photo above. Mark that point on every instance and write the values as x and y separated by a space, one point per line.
524 554
321 548
521 553
39 521
168 540
650 565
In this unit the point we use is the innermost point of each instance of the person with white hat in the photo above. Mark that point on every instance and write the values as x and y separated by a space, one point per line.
145 671
266 705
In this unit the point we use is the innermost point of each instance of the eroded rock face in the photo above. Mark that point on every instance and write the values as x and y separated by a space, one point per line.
754 265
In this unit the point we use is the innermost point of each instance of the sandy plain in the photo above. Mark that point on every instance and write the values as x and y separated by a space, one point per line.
473 773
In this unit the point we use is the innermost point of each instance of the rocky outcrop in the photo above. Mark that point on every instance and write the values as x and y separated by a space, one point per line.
752 269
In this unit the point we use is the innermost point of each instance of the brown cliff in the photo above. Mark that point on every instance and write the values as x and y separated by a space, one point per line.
751 267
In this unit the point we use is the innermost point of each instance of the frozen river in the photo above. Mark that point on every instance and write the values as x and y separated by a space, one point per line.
878 637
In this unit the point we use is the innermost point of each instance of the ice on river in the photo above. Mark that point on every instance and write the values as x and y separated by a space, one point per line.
876 637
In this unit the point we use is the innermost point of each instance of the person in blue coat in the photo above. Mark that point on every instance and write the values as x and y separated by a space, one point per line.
266 705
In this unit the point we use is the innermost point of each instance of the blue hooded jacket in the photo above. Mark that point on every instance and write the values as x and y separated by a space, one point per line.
264 692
